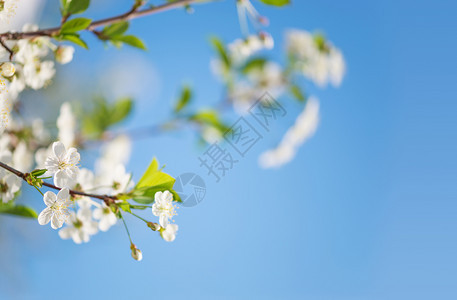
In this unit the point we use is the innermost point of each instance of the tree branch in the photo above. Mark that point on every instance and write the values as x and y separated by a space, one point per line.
107 199
131 14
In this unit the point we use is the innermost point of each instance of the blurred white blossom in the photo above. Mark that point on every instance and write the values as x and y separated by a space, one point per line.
316 57
304 127
66 124
64 54
78 228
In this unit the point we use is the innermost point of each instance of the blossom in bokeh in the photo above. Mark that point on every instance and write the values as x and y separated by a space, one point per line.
305 126
78 228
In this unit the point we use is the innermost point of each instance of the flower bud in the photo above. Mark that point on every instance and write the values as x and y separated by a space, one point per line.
267 40
64 54
7 69
153 226
263 20
136 253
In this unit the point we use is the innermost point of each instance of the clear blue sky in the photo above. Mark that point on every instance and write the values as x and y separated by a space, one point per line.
366 211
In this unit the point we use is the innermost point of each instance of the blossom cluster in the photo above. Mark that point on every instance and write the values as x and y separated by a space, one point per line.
80 216
33 66
315 57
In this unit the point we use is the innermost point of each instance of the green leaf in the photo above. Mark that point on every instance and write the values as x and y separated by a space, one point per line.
121 110
125 206
75 25
103 115
220 49
252 64
74 38
76 6
18 210
154 177
297 92
184 99
276 2
38 172
130 40
153 181
116 29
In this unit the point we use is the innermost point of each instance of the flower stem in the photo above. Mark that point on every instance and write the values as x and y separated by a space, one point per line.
133 214
126 228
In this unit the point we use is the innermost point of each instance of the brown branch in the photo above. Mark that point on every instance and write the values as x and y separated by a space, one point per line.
107 199
131 14
7 49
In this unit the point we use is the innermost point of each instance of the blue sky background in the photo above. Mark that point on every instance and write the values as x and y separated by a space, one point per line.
365 211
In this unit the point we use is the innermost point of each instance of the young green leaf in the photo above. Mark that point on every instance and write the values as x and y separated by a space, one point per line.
75 25
220 48
130 40
253 64
121 110
297 92
184 99
154 177
74 38
276 2
116 29
18 210
76 6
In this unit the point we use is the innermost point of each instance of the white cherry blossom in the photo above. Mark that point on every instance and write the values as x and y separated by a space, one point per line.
56 211
163 207
62 164
37 74
169 233
105 216
64 54
7 10
7 69
66 123
78 228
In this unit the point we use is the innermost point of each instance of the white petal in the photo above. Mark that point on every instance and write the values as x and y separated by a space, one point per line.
49 198
59 150
45 216
78 237
66 233
63 195
97 213
163 220
56 222
158 196
167 196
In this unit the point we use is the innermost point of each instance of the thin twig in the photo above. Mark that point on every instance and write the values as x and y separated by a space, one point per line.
107 199
7 49
131 14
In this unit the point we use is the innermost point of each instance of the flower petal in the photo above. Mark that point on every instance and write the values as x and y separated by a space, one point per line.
56 222
63 195
45 216
163 220
59 150
66 233
49 198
